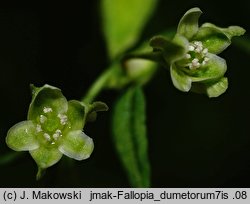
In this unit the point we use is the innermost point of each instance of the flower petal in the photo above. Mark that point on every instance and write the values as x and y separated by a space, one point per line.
212 89
172 50
46 156
213 39
46 97
230 31
188 25
76 145
214 69
22 136
76 115
217 39
217 88
180 80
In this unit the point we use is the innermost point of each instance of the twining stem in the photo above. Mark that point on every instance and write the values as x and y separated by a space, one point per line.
101 82
98 85
152 56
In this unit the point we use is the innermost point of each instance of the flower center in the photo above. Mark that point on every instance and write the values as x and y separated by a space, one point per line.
197 55
49 125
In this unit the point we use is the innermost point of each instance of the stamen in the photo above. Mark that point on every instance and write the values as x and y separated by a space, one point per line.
63 118
205 51
38 128
191 48
47 110
47 136
42 118
188 56
57 134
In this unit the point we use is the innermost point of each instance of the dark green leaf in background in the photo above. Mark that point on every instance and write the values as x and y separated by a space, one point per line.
123 22
129 135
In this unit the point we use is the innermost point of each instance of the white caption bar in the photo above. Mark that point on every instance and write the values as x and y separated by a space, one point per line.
124 195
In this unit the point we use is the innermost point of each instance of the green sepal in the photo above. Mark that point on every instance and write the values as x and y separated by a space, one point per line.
213 39
46 156
46 96
22 136
76 145
217 88
180 80
94 108
212 89
230 31
76 115
188 25
215 68
172 50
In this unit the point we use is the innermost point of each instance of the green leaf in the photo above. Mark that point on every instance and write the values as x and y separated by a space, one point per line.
188 25
129 135
46 156
215 68
123 22
76 145
180 80
46 97
22 136
172 50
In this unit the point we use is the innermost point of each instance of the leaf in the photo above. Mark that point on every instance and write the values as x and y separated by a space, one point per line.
123 22
129 135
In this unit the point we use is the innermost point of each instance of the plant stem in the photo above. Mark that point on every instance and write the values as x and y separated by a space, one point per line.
97 86
101 82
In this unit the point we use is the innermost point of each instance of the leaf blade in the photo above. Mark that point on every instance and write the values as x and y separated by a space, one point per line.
123 22
129 135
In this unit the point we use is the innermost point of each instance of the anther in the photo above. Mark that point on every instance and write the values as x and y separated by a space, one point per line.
38 128
47 110
63 119
47 136
42 118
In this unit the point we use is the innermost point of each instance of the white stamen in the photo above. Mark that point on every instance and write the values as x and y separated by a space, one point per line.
195 64
38 128
205 51
57 134
191 48
47 136
198 43
42 118
206 59
47 110
198 49
188 56
63 119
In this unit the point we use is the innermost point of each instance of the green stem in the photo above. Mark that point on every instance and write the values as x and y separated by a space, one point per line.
97 86
152 56
101 82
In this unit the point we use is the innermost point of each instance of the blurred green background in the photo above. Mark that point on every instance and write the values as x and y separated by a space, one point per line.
193 141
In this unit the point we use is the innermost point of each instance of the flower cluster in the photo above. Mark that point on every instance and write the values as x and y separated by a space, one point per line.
192 54
54 127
